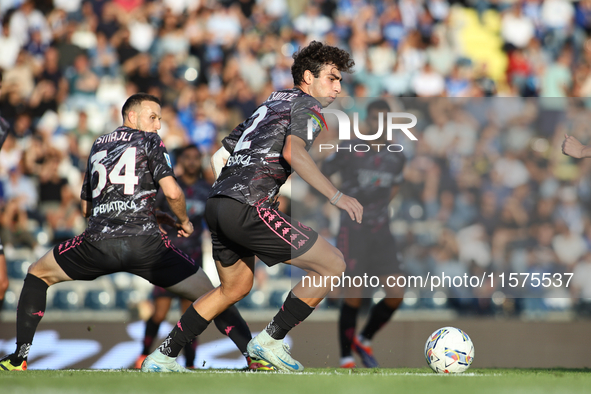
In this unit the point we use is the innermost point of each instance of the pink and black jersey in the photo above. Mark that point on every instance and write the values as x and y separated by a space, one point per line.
256 168
368 177
124 168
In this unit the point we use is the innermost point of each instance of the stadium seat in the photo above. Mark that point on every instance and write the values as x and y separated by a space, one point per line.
277 298
290 271
66 300
256 299
436 302
245 303
10 300
124 299
17 269
98 300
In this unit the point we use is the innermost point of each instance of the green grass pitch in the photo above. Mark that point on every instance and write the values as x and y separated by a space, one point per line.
314 380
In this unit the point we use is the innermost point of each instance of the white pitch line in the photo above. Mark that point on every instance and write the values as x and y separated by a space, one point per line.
335 372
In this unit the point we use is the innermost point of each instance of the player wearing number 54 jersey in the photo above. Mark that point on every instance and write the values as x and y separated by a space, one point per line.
125 170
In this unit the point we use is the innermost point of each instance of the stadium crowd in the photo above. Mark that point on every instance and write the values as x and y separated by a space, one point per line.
486 185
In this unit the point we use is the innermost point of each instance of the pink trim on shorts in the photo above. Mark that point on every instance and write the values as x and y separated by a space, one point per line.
284 221
77 240
170 245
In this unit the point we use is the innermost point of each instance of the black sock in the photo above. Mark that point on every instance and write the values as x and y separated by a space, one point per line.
187 328
231 324
31 308
380 314
347 324
190 350
293 312
1 304
151 333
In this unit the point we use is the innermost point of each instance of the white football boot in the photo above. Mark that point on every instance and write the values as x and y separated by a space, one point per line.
158 362
274 351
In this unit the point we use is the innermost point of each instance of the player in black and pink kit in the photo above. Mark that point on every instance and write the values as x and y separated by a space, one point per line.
244 221
125 170
4 129
374 178
196 190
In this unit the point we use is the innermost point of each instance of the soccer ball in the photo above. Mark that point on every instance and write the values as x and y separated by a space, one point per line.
449 350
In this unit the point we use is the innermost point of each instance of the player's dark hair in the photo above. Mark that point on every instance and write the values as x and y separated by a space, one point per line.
378 105
137 99
315 56
0 75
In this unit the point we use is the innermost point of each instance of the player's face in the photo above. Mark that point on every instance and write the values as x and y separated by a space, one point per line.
327 86
148 117
190 161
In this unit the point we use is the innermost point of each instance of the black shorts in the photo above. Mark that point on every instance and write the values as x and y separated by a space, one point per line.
152 257
239 230
369 250
1 248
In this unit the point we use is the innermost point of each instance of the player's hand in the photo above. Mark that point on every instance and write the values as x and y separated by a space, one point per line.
185 228
352 206
572 147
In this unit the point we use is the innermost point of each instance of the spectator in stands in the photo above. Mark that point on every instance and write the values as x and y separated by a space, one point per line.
21 197
83 83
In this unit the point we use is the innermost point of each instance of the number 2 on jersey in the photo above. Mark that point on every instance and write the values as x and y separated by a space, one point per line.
126 162
258 116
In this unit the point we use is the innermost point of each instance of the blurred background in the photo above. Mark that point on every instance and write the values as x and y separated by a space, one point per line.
486 188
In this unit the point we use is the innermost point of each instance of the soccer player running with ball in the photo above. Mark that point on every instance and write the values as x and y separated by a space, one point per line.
373 177
4 128
125 170
243 219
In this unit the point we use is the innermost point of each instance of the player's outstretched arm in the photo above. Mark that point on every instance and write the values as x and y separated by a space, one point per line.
297 156
572 147
176 199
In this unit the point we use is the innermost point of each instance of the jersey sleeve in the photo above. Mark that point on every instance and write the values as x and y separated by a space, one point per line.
158 159
305 114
